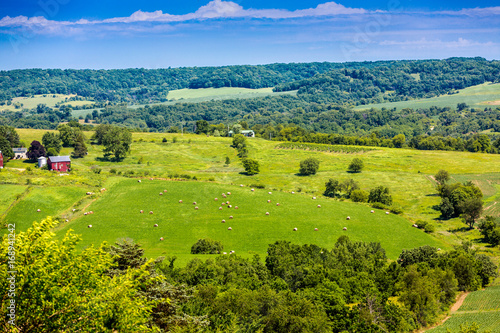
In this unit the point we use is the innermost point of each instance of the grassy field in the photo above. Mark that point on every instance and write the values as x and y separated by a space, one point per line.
50 100
406 172
481 96
117 215
9 195
481 307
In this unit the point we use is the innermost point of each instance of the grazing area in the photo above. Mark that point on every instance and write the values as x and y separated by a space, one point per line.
117 214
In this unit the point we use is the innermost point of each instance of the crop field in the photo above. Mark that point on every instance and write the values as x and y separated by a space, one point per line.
116 215
481 307
483 95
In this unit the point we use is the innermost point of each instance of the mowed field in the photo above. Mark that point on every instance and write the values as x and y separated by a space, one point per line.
407 173
49 100
481 307
480 96
116 215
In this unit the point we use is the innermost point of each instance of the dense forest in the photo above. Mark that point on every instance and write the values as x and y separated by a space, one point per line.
326 93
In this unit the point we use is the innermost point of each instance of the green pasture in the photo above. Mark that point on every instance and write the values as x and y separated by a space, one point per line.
481 307
52 201
117 215
8 195
476 96
31 102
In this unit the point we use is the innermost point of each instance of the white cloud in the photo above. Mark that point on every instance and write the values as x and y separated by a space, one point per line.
488 11
424 43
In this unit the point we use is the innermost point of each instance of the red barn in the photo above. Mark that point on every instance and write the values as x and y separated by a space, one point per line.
59 163
1 160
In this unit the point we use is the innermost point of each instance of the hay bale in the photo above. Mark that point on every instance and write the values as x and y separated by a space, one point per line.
151 212
295 229
231 217
223 204
74 210
293 192
196 207
141 211
252 190
314 198
216 199
139 181
39 210
348 218
345 228
268 201
229 206
220 208
319 206
229 228
270 192
161 238
224 252
386 213
241 185
415 226
372 211
150 178
439 249
89 226
223 221
315 229
164 190
235 207
85 213
267 213
194 203
180 201
277 204
228 193
161 193
155 225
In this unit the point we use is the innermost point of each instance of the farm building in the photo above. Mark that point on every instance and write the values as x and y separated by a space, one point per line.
1 160
20 153
42 161
59 163
247 133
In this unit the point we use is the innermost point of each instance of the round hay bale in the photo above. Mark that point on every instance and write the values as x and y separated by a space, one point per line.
155 225
223 204
229 206
372 211
348 218
315 229
277 204
139 181
141 211
319 206
270 192
293 192
231 217
161 238
223 221
314 198
295 229
227 202
228 193
89 226
91 212
74 210
196 207
241 185
151 212
386 213
180 201
39 210
268 201
252 190
216 199
224 252
235 207
67 220
164 190
150 178
267 213
161 193
85 213
194 203
229 228
345 228
439 249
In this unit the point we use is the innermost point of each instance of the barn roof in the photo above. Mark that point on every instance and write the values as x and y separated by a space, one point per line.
56 159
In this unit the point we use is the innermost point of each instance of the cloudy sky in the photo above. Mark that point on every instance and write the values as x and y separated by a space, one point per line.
154 34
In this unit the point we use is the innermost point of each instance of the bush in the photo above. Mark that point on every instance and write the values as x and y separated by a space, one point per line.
429 228
396 210
257 185
164 140
421 224
309 166
112 171
380 194
359 196
379 205
356 165
206 246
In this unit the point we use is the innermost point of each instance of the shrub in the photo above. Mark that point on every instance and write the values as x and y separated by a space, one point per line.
396 210
309 166
164 140
206 246
421 224
379 205
257 185
429 228
380 194
333 188
359 196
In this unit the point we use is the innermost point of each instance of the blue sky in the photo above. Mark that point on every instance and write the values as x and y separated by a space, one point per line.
156 34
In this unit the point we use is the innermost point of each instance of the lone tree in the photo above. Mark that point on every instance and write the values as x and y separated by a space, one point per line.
472 209
117 142
35 151
207 246
251 166
380 194
356 165
309 166
333 188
